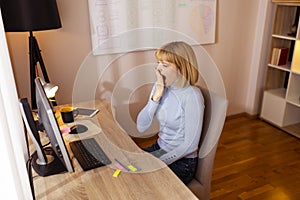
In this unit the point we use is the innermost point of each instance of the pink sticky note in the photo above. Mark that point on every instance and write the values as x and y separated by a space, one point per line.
65 130
119 166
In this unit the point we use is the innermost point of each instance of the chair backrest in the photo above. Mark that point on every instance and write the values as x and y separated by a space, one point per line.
213 122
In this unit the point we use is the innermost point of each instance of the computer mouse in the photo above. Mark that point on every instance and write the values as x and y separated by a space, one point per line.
78 128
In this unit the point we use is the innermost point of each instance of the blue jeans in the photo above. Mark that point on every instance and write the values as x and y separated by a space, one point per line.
184 168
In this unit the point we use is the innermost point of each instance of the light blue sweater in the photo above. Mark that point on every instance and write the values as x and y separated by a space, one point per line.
180 115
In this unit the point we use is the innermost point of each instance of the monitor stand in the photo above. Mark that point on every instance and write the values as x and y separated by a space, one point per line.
53 165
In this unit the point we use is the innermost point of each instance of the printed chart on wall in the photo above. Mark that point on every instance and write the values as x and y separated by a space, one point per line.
119 26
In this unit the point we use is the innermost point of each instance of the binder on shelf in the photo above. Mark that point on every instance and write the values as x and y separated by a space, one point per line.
274 56
279 56
283 56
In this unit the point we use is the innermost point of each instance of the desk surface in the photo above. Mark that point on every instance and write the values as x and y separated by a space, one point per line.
154 181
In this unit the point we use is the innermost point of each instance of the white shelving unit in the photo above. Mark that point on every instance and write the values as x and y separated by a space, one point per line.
281 99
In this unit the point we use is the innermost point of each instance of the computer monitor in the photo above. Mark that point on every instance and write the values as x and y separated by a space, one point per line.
46 161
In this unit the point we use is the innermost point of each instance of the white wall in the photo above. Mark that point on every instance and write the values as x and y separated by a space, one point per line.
259 53
235 50
65 49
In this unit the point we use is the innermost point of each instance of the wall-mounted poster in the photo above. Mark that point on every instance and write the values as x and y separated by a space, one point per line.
119 26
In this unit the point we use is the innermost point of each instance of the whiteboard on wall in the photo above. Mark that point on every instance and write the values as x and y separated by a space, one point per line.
119 26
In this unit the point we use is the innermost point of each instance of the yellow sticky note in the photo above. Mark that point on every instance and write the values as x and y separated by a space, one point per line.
132 168
116 173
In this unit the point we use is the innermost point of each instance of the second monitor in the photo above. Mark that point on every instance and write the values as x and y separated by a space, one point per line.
51 160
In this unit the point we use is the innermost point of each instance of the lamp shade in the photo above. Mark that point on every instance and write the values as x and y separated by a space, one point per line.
29 15
49 88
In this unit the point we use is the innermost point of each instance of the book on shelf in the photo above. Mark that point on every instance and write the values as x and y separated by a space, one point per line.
279 56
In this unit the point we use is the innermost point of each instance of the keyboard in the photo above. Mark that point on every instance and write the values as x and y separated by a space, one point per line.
89 154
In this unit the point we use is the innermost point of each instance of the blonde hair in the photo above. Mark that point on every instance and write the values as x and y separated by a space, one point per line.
182 55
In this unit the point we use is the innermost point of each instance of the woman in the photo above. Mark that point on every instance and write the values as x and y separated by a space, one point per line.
178 106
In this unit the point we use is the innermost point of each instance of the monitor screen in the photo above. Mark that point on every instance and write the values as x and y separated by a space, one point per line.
47 118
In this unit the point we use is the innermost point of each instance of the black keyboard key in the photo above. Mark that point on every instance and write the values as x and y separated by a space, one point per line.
89 154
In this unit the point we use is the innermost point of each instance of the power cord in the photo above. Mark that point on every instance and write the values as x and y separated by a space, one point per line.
29 171
46 144
28 163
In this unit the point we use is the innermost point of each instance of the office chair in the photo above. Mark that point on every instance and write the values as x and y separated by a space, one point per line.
213 122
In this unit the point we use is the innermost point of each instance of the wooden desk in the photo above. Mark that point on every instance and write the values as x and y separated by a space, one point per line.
154 181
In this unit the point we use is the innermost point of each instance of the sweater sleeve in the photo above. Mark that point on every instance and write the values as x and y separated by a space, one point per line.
193 118
146 115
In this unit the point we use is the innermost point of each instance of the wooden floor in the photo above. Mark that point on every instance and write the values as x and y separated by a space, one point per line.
254 161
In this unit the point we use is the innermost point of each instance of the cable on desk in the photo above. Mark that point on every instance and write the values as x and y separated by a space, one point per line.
29 170
28 163
46 144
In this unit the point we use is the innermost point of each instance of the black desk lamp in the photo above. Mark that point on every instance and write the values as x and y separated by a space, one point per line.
31 15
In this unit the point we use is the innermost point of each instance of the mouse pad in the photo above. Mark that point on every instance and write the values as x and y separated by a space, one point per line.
92 129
